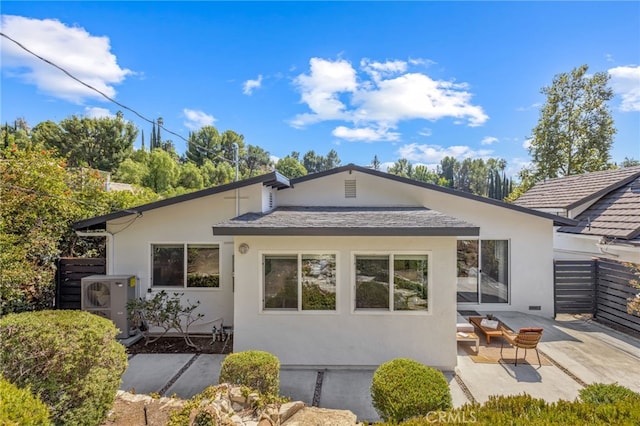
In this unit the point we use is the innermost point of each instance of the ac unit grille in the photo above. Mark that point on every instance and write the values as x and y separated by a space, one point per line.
97 295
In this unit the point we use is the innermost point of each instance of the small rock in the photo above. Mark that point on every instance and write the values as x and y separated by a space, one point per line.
289 409
237 420
237 407
322 417
235 395
265 420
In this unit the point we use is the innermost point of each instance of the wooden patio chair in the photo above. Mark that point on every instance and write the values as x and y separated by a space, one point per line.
526 338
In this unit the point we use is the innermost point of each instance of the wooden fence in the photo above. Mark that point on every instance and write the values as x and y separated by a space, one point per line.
69 275
575 286
613 290
600 287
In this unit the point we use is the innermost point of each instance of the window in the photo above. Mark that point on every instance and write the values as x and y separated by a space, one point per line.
185 265
407 291
297 282
483 271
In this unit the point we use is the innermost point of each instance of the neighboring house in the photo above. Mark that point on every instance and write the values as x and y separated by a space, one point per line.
607 207
346 267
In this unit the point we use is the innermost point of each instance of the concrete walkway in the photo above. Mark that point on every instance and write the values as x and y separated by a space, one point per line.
582 351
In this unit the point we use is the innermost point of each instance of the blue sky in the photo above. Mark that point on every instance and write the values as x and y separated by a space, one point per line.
418 80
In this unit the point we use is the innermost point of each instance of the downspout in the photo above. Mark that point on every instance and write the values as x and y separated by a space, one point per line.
236 154
109 237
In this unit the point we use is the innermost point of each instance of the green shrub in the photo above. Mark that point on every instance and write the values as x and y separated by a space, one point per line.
404 388
20 407
257 370
69 358
600 393
524 410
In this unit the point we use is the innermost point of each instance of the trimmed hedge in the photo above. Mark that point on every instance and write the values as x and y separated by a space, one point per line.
600 393
69 358
257 370
21 407
524 410
404 388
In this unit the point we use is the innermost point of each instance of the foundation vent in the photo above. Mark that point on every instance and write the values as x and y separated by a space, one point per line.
270 200
350 188
535 308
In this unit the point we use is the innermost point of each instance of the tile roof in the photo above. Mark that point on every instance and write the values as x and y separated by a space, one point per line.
616 215
351 221
570 191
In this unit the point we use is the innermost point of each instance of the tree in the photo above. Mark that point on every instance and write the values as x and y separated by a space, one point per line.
163 171
575 131
204 144
402 167
100 143
255 161
290 167
375 163
190 177
317 163
131 171
629 162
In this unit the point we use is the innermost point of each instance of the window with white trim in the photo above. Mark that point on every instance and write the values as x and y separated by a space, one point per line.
394 282
299 282
185 265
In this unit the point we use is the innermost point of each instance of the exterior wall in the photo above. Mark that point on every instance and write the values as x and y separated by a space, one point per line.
575 246
345 336
530 237
186 222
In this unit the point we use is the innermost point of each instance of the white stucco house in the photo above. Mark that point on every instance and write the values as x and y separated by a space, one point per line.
346 267
606 206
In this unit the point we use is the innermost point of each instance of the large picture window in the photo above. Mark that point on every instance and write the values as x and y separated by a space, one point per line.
297 282
483 271
185 265
392 282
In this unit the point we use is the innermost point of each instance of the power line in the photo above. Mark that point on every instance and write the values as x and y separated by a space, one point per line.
110 99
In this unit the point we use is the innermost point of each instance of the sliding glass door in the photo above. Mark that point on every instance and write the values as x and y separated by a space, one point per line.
483 271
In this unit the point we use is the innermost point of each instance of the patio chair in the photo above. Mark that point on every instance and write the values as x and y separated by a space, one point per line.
527 338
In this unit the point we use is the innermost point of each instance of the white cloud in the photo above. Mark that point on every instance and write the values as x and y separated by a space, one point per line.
320 90
378 70
609 57
431 154
527 143
97 112
380 97
516 164
425 132
368 134
625 82
196 120
250 85
488 140
530 107
83 55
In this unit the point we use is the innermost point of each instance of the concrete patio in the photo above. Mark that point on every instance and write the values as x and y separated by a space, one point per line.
581 351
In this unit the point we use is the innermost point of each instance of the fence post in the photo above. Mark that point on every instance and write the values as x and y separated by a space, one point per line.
596 278
555 290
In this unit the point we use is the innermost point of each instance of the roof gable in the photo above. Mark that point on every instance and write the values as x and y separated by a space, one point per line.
569 192
273 179
616 215
558 221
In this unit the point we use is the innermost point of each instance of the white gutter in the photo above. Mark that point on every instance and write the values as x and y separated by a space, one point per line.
109 237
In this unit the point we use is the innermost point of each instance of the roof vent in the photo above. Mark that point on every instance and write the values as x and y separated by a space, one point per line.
350 188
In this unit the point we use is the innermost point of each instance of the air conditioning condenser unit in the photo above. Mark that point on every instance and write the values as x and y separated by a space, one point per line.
107 296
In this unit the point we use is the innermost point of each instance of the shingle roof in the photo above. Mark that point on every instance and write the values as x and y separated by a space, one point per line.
616 215
570 191
348 221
